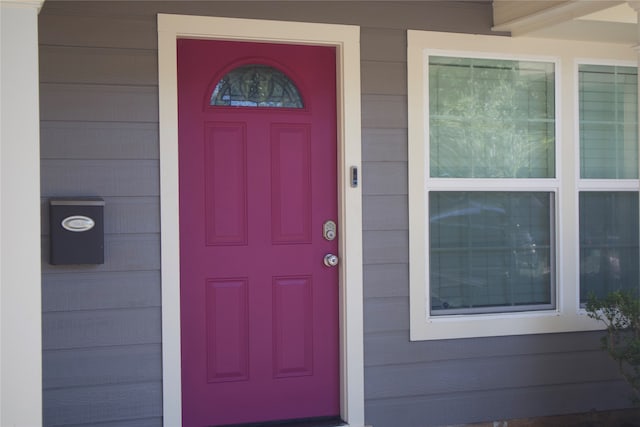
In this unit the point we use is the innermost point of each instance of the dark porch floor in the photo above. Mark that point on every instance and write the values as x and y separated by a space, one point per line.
620 418
311 422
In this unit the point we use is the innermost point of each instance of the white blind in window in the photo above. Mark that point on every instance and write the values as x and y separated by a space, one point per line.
608 122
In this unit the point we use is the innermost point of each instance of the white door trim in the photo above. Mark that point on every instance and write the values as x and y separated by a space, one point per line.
346 39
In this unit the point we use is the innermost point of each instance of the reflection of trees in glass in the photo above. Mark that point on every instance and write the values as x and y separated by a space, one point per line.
491 118
609 239
490 251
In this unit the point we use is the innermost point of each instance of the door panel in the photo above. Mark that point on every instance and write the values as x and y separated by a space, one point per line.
292 326
227 330
291 184
226 184
259 316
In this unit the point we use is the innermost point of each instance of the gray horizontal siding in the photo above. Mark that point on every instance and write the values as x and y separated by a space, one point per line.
72 291
386 314
384 78
144 422
94 328
386 280
384 145
63 64
98 103
99 137
384 178
483 374
384 112
98 140
386 247
116 403
378 44
386 213
102 325
100 178
140 214
472 17
489 405
394 348
72 28
102 366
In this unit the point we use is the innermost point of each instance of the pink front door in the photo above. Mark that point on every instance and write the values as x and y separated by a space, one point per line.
259 317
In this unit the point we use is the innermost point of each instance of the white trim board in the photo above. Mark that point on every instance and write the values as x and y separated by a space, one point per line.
346 39
20 259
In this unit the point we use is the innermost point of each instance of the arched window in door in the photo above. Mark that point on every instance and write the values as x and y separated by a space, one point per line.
256 85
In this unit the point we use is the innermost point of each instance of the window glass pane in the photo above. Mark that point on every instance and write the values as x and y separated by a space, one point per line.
490 251
491 118
256 86
608 243
608 122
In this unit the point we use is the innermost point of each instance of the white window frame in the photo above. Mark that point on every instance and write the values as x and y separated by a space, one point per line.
567 315
591 184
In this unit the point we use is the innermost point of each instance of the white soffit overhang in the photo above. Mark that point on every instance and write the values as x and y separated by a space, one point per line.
608 21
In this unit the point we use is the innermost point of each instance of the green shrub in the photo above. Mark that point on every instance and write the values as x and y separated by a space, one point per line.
620 312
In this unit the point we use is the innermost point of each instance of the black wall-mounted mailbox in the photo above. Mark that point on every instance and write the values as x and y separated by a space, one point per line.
77 230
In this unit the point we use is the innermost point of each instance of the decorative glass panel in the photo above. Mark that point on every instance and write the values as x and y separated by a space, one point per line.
608 122
490 251
609 239
491 118
256 85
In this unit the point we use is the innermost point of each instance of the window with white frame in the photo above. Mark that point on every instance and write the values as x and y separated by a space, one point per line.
490 248
608 188
510 227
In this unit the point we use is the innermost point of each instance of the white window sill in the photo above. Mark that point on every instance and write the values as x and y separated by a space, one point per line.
500 324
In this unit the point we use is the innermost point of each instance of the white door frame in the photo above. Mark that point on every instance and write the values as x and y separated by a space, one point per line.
346 40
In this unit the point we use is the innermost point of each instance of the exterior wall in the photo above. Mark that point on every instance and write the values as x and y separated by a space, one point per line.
101 325
99 137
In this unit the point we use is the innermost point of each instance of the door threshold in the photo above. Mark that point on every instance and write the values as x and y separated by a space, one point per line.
305 422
